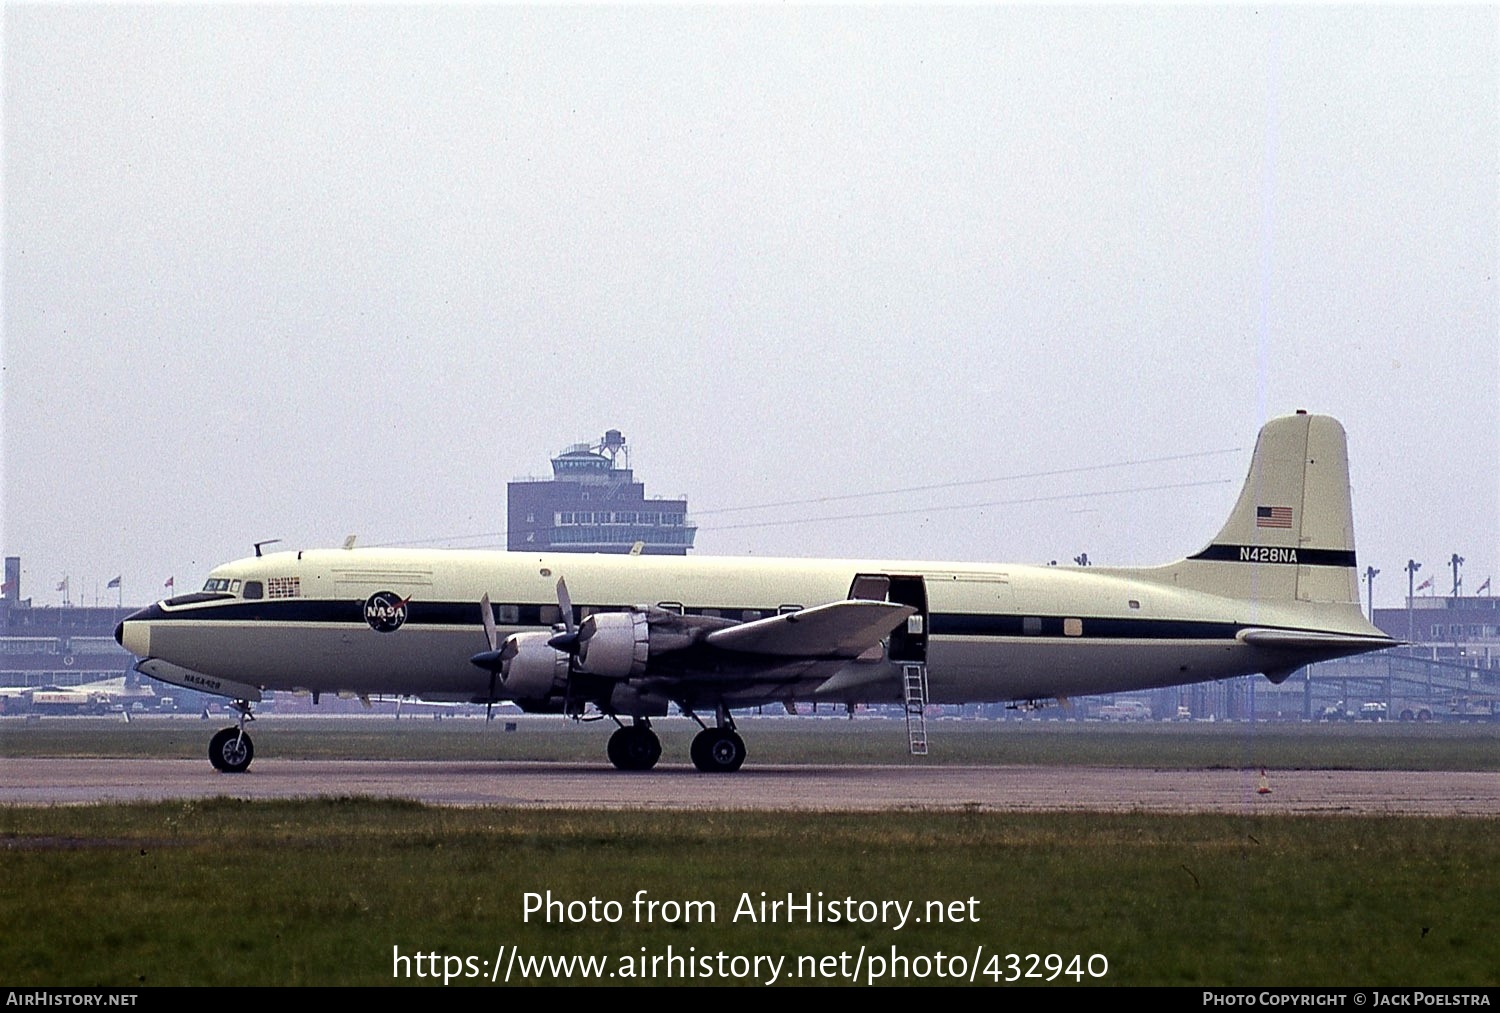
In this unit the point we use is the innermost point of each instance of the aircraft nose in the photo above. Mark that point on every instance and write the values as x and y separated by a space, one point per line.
134 631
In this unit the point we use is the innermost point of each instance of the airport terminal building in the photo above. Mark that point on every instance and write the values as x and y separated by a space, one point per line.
1456 629
49 649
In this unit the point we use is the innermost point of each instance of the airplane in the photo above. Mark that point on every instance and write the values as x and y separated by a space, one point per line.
1275 590
98 697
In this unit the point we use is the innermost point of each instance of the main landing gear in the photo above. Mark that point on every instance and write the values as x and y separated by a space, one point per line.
718 750
230 751
634 746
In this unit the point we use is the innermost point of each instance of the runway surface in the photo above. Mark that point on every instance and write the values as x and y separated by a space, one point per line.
1008 789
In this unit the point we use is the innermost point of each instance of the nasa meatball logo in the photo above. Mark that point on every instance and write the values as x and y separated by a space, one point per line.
385 611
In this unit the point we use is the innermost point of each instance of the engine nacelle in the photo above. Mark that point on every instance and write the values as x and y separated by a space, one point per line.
614 645
532 670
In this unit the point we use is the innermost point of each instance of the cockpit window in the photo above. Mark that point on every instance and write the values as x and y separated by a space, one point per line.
221 585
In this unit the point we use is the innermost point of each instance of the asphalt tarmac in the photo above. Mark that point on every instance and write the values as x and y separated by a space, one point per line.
862 788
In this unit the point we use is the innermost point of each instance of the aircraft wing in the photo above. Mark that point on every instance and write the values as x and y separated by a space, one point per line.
841 629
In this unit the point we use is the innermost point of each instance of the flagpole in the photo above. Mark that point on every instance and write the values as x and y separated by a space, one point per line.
1412 566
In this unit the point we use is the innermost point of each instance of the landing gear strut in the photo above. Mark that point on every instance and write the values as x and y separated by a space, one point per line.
718 750
634 746
230 751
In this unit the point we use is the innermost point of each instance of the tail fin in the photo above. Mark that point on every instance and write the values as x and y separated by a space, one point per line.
1291 535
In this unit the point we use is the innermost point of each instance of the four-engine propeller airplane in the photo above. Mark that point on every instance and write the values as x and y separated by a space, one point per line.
1275 590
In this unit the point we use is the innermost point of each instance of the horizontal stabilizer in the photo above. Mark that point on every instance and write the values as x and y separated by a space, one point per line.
1309 640
841 629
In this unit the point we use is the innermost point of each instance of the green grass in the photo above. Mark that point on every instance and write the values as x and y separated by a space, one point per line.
319 892
1389 746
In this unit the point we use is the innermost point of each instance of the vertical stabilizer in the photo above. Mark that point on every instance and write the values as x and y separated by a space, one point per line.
1291 534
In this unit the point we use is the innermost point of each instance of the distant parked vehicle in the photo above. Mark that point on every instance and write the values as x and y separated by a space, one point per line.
1125 710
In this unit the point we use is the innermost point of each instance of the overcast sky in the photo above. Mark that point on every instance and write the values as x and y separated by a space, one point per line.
303 272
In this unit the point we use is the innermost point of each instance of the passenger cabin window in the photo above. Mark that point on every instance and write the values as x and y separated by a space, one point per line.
254 589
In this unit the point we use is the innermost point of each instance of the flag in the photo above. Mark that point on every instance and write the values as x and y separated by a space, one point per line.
171 582
1273 517
113 583
8 589
1426 583
1485 586
62 585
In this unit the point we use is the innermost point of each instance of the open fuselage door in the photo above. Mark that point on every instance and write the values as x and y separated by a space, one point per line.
906 647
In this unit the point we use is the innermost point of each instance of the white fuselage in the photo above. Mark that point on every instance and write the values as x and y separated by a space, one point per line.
984 632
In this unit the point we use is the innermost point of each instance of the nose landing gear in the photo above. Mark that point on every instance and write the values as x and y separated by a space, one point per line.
230 751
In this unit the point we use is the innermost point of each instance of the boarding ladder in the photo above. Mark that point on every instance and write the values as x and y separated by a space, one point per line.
914 688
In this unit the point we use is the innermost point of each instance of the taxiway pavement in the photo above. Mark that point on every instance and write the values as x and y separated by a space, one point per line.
810 788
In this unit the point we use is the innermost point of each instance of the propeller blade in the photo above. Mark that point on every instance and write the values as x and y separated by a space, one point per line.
565 603
487 616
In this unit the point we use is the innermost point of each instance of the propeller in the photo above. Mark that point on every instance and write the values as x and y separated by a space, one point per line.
569 640
493 659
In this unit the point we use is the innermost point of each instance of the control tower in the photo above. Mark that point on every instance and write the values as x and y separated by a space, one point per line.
594 504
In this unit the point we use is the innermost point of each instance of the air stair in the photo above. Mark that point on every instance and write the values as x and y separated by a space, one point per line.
914 688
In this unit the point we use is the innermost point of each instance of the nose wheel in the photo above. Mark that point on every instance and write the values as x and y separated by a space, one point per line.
231 751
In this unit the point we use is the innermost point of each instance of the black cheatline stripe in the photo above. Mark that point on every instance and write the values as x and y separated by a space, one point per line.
1283 556
314 610
430 614
1093 628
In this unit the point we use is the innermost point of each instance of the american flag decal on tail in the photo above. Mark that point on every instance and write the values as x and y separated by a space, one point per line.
1273 517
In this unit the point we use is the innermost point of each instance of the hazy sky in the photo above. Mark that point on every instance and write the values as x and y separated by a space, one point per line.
300 272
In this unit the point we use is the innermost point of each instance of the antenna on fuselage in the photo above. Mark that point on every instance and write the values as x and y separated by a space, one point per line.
268 541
